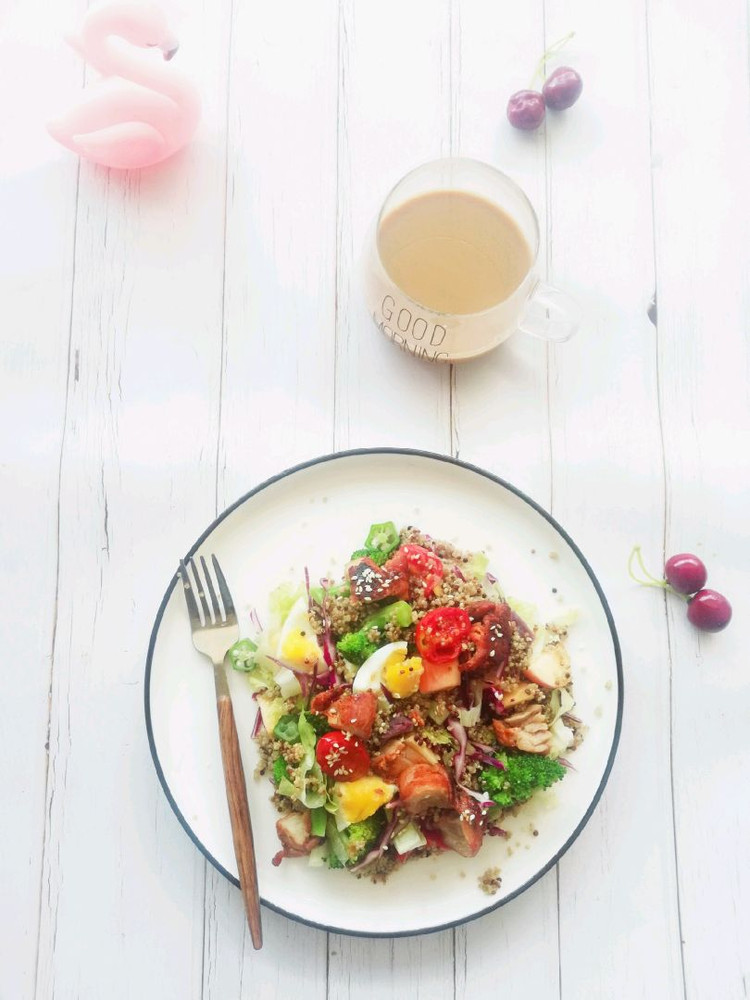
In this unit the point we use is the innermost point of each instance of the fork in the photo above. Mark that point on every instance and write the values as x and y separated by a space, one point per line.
215 629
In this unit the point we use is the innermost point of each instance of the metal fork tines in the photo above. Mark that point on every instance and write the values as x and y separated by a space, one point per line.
213 619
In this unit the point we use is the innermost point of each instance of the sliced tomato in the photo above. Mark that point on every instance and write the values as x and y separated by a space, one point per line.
342 756
439 676
441 633
423 564
415 562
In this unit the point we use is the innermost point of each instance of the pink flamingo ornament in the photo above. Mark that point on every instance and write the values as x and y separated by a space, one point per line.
143 111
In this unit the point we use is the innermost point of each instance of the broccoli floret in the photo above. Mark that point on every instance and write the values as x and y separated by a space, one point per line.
319 723
376 555
360 837
524 774
357 646
348 846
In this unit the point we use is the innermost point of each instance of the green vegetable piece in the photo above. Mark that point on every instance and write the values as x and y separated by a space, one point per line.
318 819
287 729
398 613
313 793
336 848
318 722
356 647
351 844
242 655
525 773
383 537
382 540
280 771
340 590
477 565
438 737
360 837
285 787
281 600
376 555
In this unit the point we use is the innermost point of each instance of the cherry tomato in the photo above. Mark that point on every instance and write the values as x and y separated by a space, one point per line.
421 561
422 564
440 634
342 756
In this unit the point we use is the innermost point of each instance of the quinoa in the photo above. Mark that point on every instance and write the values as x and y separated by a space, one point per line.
344 615
490 881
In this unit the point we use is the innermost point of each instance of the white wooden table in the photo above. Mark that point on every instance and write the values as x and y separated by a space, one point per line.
172 338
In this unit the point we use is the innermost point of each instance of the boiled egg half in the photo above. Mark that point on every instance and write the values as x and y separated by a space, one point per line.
298 646
391 667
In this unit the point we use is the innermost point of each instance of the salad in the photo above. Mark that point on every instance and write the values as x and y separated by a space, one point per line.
405 708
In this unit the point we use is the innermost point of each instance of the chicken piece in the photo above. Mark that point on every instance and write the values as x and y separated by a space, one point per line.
461 828
490 636
424 786
525 730
400 754
323 699
476 610
519 693
370 582
294 832
354 713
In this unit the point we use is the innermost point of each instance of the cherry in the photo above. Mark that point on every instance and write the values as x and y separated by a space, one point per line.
685 573
562 88
526 110
709 611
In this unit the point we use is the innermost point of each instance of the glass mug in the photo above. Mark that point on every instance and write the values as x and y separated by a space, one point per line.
446 336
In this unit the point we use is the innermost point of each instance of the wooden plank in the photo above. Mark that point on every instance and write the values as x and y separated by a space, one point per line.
701 163
500 400
37 207
395 104
394 113
618 882
501 420
277 361
122 885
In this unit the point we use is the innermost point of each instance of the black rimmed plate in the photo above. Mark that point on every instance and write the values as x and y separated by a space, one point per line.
314 515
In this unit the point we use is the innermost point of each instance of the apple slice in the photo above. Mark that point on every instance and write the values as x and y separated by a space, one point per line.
550 667
439 676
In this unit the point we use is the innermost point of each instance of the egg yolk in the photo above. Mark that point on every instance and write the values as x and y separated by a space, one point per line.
401 675
298 648
361 798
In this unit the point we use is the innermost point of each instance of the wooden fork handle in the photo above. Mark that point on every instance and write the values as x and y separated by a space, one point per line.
239 814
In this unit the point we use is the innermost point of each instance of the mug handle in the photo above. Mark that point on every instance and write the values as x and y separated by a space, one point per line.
550 314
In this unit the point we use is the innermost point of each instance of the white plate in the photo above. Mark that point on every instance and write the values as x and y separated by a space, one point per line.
314 515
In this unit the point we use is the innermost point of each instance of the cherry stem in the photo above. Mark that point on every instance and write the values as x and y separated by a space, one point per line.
650 581
541 66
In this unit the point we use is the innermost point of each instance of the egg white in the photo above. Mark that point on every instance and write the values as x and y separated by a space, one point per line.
369 677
